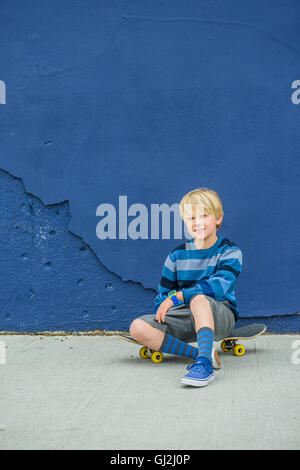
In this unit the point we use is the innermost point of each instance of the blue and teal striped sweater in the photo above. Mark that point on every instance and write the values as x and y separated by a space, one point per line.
212 271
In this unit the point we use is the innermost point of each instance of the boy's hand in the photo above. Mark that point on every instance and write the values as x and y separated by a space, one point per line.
163 309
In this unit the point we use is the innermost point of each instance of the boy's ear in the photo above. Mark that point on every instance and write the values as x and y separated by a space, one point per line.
220 220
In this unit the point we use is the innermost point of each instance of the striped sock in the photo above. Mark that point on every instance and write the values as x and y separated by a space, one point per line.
205 338
172 345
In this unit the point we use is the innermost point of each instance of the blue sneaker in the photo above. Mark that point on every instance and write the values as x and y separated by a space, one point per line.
199 375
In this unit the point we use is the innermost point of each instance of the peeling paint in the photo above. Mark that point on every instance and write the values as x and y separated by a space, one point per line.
45 247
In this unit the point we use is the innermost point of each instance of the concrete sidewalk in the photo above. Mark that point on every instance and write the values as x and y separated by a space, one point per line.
94 392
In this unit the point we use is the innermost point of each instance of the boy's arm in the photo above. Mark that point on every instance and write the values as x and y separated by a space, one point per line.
168 281
228 269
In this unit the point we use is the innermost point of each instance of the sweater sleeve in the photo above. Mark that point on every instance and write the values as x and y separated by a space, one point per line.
222 281
168 281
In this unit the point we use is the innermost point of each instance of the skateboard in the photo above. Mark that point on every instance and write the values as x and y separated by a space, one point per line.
245 332
145 352
228 344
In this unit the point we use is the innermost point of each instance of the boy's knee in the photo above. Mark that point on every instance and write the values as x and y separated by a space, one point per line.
198 303
137 329
198 299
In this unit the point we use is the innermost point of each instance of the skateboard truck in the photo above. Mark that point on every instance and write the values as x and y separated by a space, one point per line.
231 345
156 356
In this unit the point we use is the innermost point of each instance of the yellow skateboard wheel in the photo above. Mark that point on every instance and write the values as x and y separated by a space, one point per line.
239 350
224 347
144 352
156 357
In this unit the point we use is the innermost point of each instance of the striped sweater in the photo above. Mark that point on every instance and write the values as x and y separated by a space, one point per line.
212 271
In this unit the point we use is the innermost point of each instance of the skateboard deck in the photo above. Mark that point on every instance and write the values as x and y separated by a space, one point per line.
245 332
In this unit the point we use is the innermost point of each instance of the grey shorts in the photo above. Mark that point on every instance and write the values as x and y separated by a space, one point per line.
179 321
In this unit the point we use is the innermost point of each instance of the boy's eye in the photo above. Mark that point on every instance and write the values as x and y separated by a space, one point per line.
200 217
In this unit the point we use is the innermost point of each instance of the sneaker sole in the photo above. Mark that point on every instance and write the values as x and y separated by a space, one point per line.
215 360
197 383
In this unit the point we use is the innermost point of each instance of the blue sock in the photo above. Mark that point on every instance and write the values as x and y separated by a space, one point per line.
172 345
205 338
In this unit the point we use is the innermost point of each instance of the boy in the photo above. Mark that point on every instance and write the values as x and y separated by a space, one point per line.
196 300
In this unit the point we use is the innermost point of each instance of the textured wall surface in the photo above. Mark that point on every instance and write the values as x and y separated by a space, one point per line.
52 280
147 100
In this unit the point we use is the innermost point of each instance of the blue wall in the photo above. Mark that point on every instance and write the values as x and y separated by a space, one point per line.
147 100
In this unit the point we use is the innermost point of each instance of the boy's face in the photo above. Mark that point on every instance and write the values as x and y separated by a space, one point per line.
200 225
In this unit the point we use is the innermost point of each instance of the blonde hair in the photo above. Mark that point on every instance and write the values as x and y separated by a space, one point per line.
208 199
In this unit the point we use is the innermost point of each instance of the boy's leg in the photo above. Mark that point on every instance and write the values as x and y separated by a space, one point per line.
201 372
167 337
204 325
213 320
147 335
202 312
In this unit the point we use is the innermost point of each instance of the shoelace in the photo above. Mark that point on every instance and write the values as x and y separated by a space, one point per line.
197 366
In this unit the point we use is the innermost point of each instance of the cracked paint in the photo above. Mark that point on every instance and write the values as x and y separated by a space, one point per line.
52 280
